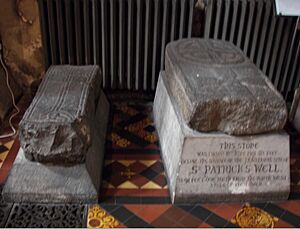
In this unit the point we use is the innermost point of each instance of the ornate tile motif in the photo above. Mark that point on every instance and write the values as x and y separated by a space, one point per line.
46 215
99 218
254 217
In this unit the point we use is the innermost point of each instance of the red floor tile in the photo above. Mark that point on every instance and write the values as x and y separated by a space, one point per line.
135 208
175 213
165 222
204 225
211 207
282 224
153 211
190 221
227 211
292 206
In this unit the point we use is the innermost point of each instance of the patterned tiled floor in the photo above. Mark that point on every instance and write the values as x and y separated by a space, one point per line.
134 190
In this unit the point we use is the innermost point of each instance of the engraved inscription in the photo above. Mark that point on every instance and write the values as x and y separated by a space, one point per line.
234 166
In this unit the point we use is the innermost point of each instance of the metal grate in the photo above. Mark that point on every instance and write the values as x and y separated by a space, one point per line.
127 38
271 42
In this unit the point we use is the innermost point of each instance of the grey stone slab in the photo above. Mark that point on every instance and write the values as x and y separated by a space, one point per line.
217 88
41 183
57 126
216 167
36 182
31 181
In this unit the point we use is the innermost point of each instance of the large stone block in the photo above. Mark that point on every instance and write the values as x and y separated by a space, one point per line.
58 125
31 181
212 167
217 88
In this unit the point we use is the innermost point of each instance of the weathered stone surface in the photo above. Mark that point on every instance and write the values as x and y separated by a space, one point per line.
218 89
48 183
58 125
36 182
213 167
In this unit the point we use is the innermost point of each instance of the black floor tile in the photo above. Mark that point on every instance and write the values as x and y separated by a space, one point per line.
259 205
107 200
155 200
216 221
133 119
291 218
3 148
109 208
209 217
187 207
149 173
122 214
136 222
274 210
200 212
131 137
294 196
130 151
128 200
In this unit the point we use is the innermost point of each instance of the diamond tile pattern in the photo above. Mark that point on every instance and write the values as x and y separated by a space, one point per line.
133 156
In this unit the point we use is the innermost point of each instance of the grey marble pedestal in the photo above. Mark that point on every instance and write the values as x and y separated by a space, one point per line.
215 167
45 183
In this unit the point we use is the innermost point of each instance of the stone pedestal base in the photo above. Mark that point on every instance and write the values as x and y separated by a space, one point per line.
215 167
45 183
35 182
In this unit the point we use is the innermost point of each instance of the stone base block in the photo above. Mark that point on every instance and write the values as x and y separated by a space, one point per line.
215 167
35 182
46 183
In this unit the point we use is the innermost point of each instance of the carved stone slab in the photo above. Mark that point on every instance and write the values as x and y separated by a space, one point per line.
218 89
213 167
31 181
57 126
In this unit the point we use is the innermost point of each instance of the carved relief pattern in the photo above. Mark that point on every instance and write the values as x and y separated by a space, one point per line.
42 215
208 52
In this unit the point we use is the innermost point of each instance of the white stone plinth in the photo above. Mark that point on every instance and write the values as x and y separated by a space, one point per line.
213 167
